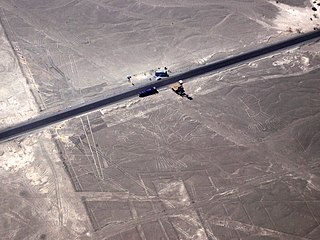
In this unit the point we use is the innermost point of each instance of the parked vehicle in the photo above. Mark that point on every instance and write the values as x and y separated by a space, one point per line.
161 73
148 92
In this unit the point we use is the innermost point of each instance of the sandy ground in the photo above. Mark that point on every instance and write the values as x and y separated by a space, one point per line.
16 101
37 199
82 49
240 161
297 18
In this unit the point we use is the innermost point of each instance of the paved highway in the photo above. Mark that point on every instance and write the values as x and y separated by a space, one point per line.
43 121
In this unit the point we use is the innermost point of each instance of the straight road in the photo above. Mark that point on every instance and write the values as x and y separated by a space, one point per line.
43 121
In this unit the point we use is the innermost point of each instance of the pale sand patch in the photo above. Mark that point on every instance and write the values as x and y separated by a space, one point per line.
174 195
35 158
16 101
295 19
17 105
15 156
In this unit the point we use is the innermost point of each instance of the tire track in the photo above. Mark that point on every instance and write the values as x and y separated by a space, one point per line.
71 112
56 183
